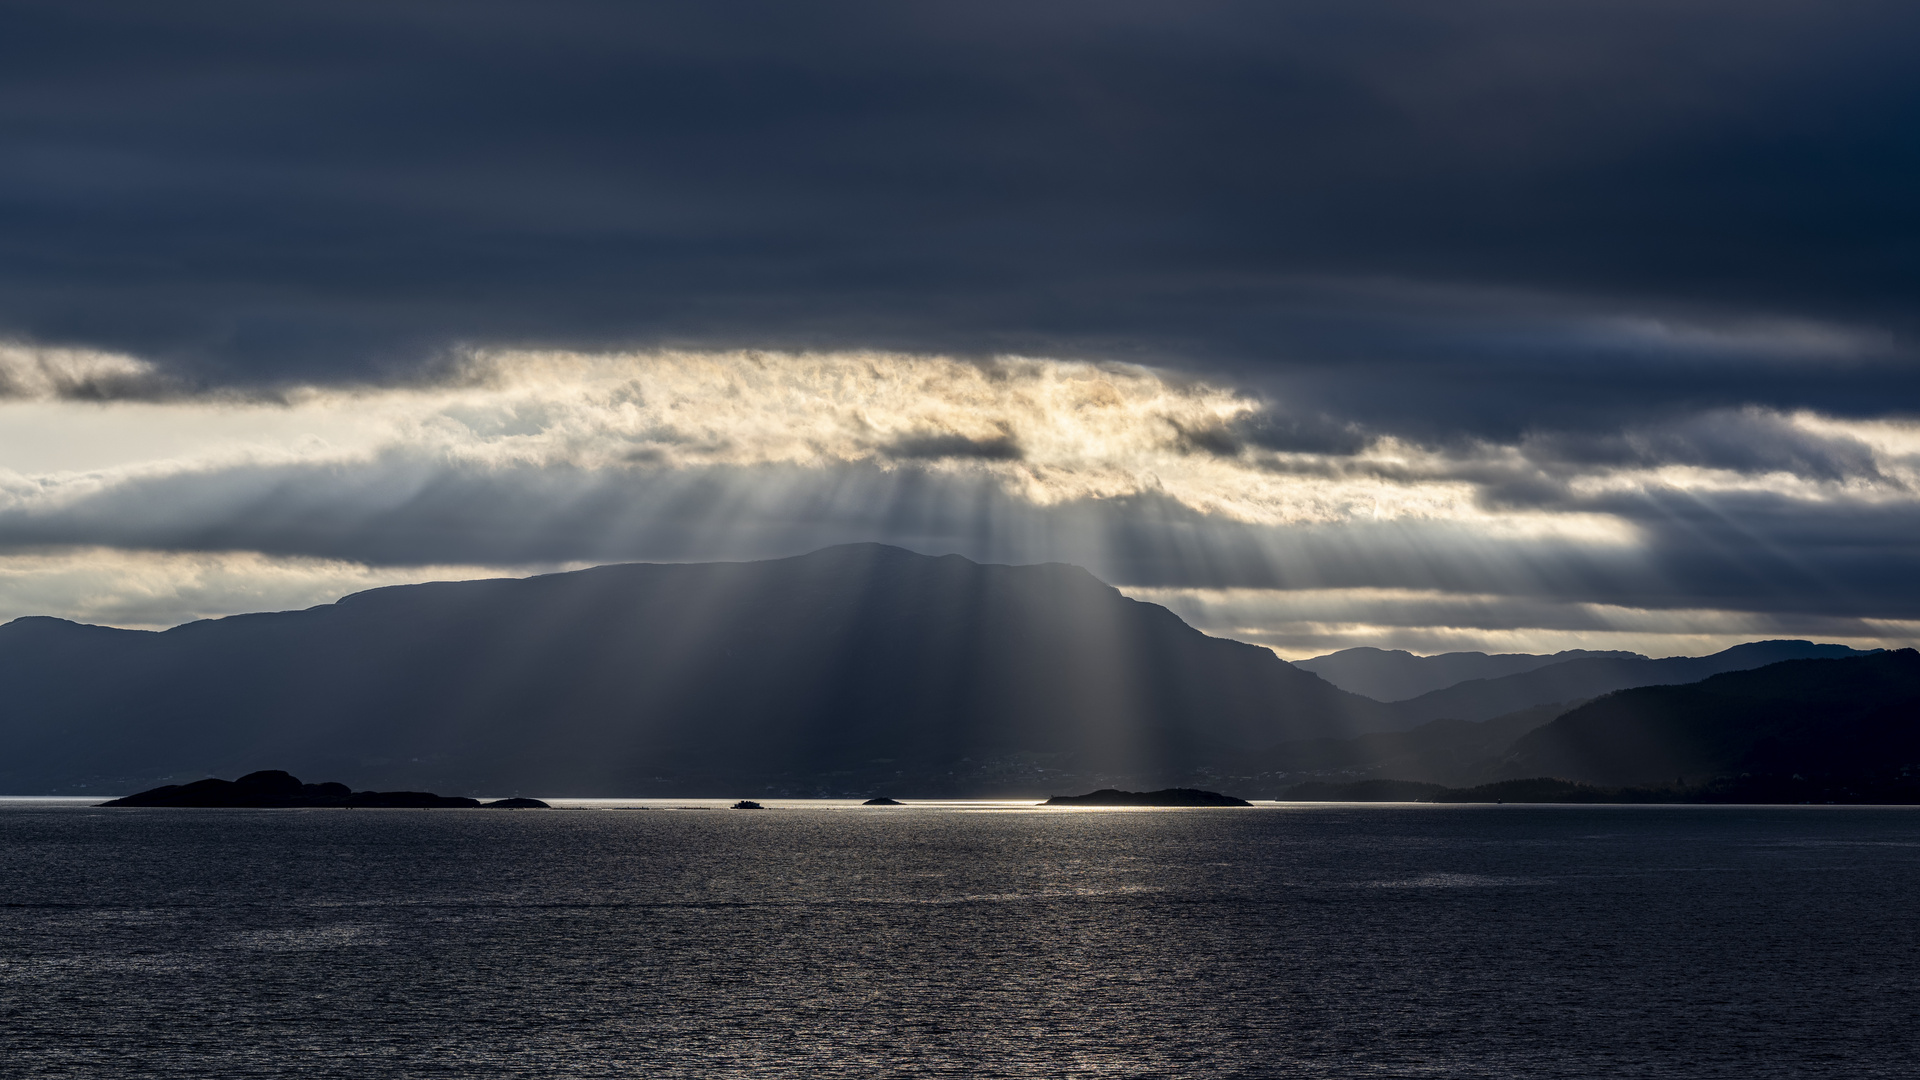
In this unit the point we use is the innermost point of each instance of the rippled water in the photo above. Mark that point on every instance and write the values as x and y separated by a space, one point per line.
826 940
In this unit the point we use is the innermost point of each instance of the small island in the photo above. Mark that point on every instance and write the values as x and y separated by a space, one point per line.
882 801
1163 797
273 789
747 804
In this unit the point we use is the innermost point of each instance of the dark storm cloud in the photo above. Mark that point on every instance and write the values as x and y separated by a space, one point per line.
1486 217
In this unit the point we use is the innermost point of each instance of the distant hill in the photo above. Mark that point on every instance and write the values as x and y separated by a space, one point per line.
1440 752
1858 716
1842 730
1395 675
1613 753
857 669
1573 680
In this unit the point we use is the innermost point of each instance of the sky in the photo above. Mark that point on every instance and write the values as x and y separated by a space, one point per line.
1486 325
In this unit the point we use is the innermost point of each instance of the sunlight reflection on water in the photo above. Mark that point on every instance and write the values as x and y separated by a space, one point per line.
830 939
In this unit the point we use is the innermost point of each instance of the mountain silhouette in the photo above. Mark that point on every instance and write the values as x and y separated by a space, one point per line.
1839 730
1858 716
1444 752
1396 675
860 668
1573 680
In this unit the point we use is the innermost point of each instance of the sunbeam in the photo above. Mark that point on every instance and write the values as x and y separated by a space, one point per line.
513 463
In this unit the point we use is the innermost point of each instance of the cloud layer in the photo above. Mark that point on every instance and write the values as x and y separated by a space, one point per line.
1595 317
1480 217
1156 480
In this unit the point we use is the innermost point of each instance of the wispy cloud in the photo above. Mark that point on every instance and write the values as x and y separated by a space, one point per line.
37 373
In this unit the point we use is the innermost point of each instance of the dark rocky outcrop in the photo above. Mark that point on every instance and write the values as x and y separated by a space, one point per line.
881 801
1166 797
747 804
515 804
274 788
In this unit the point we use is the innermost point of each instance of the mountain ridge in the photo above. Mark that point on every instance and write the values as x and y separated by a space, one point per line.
1841 716
1392 675
1836 729
849 668
859 669
1569 680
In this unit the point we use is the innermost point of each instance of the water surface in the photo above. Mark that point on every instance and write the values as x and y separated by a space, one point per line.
959 940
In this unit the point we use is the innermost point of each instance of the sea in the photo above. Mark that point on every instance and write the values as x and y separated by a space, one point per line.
680 938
